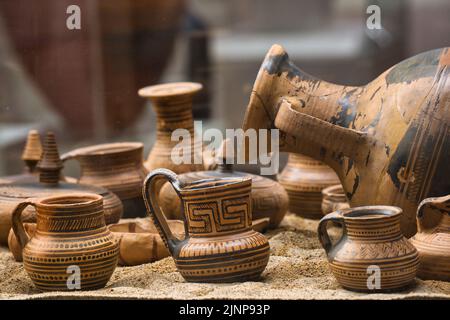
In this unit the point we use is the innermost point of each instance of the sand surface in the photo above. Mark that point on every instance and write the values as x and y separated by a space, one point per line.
297 269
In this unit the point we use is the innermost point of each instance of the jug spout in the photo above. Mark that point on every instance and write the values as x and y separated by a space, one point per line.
284 97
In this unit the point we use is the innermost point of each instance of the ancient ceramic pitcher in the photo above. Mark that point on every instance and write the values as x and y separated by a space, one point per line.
220 245
372 255
433 238
304 179
70 235
117 167
387 140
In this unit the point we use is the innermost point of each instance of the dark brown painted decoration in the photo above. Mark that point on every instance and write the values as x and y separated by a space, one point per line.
387 141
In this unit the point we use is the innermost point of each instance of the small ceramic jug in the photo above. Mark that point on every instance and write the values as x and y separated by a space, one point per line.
70 237
372 254
117 167
333 198
220 245
433 238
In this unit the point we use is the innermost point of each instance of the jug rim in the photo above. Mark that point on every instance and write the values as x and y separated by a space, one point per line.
107 148
212 183
72 200
370 212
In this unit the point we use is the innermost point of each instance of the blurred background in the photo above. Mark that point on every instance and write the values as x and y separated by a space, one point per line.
83 83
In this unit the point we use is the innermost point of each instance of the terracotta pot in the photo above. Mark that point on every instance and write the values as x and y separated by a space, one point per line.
433 238
372 255
269 199
48 183
333 199
220 245
172 103
384 139
304 179
139 240
70 233
117 167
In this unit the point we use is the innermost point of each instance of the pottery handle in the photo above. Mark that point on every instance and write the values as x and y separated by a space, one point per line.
351 143
17 225
149 193
69 156
440 205
322 231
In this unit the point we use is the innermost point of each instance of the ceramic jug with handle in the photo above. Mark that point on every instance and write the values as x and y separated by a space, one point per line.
70 236
387 141
433 238
220 245
372 254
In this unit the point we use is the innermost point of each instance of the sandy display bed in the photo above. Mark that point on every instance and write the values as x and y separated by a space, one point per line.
297 270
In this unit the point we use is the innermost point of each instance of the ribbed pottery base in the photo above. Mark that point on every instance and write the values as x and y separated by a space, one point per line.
221 260
394 275
234 267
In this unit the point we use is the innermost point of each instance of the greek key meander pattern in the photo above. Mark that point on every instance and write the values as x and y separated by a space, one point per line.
218 216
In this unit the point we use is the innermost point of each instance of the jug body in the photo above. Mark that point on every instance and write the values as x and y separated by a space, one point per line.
220 245
372 254
71 239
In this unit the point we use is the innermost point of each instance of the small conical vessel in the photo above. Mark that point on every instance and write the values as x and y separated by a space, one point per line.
33 150
31 154
304 179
